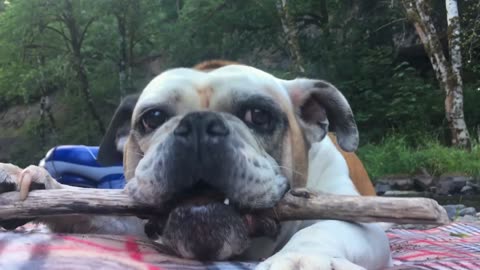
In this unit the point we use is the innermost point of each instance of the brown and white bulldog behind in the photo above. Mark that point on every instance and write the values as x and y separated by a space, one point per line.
216 141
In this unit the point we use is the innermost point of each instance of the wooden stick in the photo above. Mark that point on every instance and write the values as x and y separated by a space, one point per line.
303 204
298 204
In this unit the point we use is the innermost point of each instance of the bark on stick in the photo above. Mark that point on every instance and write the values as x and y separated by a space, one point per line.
298 204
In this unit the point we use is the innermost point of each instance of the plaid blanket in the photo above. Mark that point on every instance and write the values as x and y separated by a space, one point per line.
456 246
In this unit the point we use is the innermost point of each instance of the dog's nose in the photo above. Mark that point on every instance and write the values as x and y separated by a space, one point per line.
202 124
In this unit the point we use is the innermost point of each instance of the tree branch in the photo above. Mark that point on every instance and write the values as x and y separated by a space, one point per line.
389 23
298 204
38 46
61 33
82 35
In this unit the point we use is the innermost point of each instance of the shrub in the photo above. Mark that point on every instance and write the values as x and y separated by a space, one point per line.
394 155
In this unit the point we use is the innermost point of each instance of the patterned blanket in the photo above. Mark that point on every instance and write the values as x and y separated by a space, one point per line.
456 246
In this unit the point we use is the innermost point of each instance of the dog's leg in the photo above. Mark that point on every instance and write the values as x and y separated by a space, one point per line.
332 245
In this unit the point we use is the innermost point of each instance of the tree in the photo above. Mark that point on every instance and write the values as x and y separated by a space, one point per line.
74 39
126 16
291 35
49 30
364 47
446 72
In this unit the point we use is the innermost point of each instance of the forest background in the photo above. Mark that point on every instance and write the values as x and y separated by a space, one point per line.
66 64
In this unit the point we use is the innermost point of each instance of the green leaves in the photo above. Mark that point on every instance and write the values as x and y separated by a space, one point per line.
357 45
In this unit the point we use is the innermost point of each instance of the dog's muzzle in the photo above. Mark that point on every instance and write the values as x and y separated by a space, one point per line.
201 127
203 136
208 177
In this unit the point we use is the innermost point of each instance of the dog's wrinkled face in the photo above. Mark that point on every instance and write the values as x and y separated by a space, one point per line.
209 129
212 145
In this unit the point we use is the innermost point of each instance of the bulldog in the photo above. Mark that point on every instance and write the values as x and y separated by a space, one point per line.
221 139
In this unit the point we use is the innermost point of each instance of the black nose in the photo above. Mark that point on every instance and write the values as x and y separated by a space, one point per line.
203 125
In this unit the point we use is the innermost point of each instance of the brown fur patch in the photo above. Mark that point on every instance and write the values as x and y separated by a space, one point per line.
299 153
214 64
205 94
131 158
297 140
357 171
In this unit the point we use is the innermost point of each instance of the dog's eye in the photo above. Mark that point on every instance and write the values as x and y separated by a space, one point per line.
153 119
258 118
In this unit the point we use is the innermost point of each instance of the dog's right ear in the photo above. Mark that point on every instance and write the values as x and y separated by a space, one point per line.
111 147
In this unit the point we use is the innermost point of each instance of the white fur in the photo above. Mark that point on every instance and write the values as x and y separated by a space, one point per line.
223 81
329 244
121 143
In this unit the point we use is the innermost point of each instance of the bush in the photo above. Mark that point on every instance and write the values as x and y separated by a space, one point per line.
394 155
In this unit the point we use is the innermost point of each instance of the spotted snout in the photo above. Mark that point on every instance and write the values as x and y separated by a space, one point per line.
210 149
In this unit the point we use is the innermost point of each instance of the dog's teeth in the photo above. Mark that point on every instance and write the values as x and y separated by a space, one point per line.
226 202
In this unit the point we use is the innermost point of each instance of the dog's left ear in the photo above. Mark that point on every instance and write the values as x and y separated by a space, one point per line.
111 147
318 104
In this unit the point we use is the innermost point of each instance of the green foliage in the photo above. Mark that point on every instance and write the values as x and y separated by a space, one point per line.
394 155
209 29
349 43
470 24
386 94
472 113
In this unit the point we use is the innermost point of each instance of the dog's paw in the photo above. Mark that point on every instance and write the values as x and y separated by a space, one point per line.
302 261
13 178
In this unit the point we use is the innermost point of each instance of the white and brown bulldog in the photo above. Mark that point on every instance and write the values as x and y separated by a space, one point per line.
221 139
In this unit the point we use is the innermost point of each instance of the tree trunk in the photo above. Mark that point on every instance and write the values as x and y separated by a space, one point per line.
122 65
291 35
46 109
130 55
178 7
85 88
45 106
447 73
76 40
125 16
454 99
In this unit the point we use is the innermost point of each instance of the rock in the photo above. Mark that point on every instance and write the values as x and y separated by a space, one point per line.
474 183
469 211
467 219
405 193
471 188
451 184
432 189
381 188
398 182
402 184
423 181
467 190
453 210
458 206
13 118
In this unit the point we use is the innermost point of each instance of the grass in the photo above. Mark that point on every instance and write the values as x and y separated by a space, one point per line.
395 156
